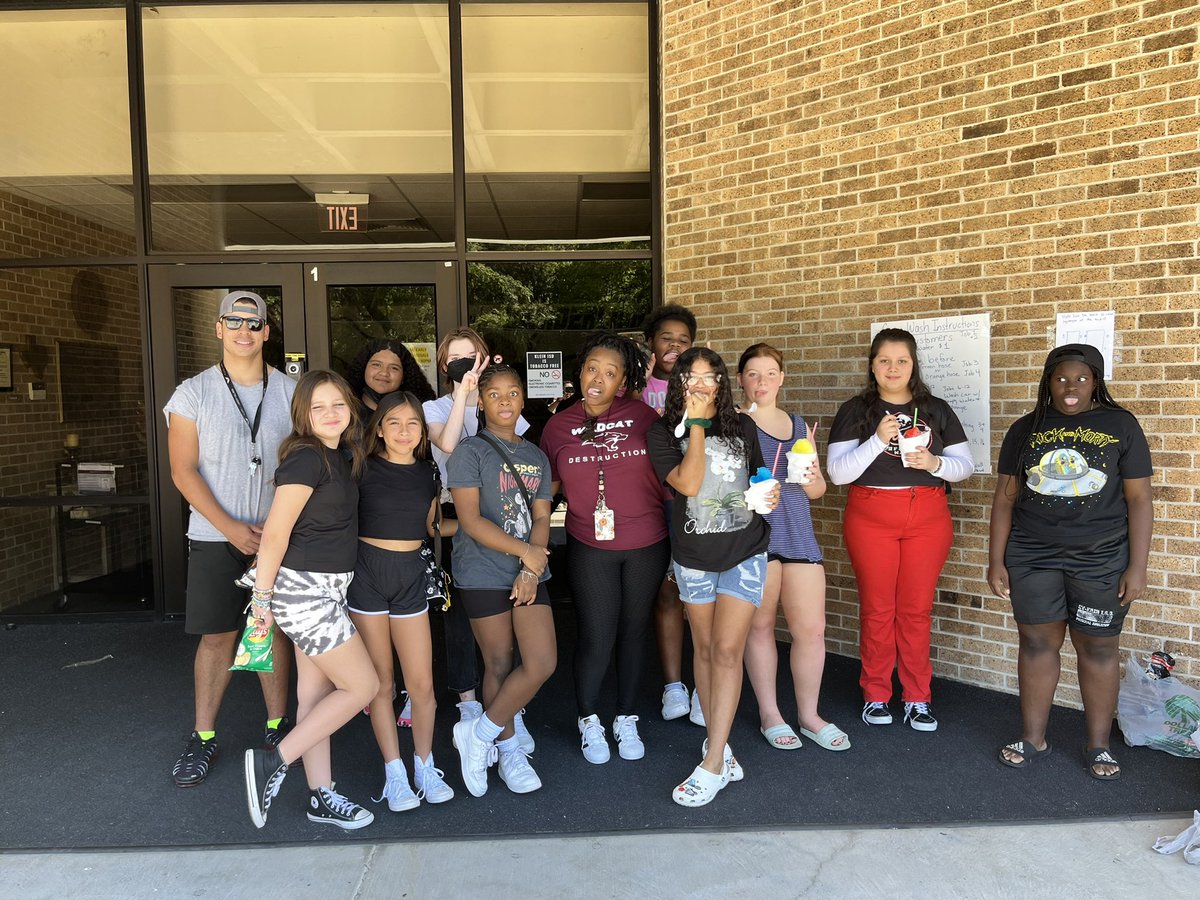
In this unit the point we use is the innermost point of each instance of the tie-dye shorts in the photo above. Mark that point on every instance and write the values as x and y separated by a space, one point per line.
310 608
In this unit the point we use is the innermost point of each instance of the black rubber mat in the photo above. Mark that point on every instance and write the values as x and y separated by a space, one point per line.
86 753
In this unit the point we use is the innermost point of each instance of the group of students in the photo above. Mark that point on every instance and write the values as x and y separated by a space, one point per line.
655 461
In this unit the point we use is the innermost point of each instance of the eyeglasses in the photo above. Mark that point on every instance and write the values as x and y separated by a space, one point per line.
708 379
234 323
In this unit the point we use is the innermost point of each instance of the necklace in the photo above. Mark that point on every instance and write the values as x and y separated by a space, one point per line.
255 459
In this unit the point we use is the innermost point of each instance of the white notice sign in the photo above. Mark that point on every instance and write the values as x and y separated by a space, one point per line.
1095 328
426 356
544 374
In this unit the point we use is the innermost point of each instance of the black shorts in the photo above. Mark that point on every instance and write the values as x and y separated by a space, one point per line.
1077 585
482 603
388 582
215 605
789 560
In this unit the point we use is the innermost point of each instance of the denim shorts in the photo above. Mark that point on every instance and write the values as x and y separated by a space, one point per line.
744 581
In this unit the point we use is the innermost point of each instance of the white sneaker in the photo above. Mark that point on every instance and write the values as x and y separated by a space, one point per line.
919 717
696 714
396 790
675 701
700 788
523 734
592 740
629 742
475 755
734 770
430 781
469 709
517 773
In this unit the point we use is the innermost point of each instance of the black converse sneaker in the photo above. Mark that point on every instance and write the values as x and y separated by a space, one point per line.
919 717
876 713
327 806
265 771
193 764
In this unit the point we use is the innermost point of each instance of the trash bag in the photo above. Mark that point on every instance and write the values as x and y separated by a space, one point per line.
1159 713
1187 840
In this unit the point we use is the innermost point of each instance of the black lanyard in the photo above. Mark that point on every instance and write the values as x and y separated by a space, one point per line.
255 461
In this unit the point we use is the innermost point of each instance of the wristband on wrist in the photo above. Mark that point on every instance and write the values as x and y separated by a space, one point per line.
703 423
938 468
527 573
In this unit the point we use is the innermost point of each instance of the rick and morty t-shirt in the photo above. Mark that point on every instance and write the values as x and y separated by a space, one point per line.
1071 472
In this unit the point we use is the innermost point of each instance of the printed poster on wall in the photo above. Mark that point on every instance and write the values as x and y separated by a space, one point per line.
956 362
544 374
1096 328
426 356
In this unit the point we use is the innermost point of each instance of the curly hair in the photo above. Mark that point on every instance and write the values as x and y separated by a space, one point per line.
373 443
492 372
871 411
412 376
671 312
302 430
726 423
633 359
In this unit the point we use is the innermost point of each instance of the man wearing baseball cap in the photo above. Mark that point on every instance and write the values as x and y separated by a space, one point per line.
224 427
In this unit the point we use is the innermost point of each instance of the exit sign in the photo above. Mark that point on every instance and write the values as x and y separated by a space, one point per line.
343 218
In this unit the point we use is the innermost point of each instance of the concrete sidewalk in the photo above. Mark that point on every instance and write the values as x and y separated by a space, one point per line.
1091 859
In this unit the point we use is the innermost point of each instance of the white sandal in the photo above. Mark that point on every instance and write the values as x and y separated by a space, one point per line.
701 787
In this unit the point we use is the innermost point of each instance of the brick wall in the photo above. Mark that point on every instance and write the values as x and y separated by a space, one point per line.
827 165
36 302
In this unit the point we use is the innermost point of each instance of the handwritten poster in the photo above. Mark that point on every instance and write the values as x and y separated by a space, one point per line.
956 362
1095 328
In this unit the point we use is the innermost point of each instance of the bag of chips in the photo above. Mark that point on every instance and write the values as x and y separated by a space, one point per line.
254 649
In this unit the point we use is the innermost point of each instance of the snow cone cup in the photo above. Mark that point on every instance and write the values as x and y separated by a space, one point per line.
799 467
756 495
912 444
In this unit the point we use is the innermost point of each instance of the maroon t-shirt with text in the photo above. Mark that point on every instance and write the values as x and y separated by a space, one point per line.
631 488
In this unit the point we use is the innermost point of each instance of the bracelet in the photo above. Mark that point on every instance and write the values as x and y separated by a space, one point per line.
703 423
262 594
527 573
938 468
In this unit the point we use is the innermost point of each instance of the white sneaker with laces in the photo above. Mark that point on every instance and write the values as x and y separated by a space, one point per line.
696 714
475 755
430 781
592 740
675 703
919 718
629 742
396 791
517 773
523 734
469 709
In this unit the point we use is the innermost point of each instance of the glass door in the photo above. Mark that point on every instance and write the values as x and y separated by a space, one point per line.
321 316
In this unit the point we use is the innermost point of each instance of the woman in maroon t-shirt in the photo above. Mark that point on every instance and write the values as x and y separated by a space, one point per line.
616 534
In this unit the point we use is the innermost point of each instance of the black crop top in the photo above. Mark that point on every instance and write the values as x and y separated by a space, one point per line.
394 499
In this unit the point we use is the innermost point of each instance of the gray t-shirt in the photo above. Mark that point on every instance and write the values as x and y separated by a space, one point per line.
225 451
476 463
438 411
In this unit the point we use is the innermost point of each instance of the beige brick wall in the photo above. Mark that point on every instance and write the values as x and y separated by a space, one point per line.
827 165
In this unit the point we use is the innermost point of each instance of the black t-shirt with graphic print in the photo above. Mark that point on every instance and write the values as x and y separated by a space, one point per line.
887 469
1071 472
714 530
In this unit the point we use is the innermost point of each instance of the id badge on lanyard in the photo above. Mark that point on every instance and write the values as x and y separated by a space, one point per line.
605 521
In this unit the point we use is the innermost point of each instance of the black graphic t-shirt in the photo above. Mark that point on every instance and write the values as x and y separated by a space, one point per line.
1071 472
714 530
887 469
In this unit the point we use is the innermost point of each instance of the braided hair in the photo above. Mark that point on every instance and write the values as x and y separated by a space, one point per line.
413 376
633 359
726 423
493 371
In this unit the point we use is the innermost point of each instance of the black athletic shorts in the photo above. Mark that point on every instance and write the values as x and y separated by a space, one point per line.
480 604
1052 583
388 582
215 605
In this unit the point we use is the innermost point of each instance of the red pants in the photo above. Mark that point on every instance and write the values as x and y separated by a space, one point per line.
898 541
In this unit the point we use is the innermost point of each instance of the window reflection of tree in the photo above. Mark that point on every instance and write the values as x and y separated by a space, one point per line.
359 314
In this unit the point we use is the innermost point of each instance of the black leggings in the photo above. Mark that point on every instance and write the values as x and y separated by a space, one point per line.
614 593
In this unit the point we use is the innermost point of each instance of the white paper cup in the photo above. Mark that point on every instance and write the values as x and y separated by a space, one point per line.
756 495
911 445
798 467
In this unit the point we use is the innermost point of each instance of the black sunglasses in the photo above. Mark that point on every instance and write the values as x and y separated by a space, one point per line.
234 323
